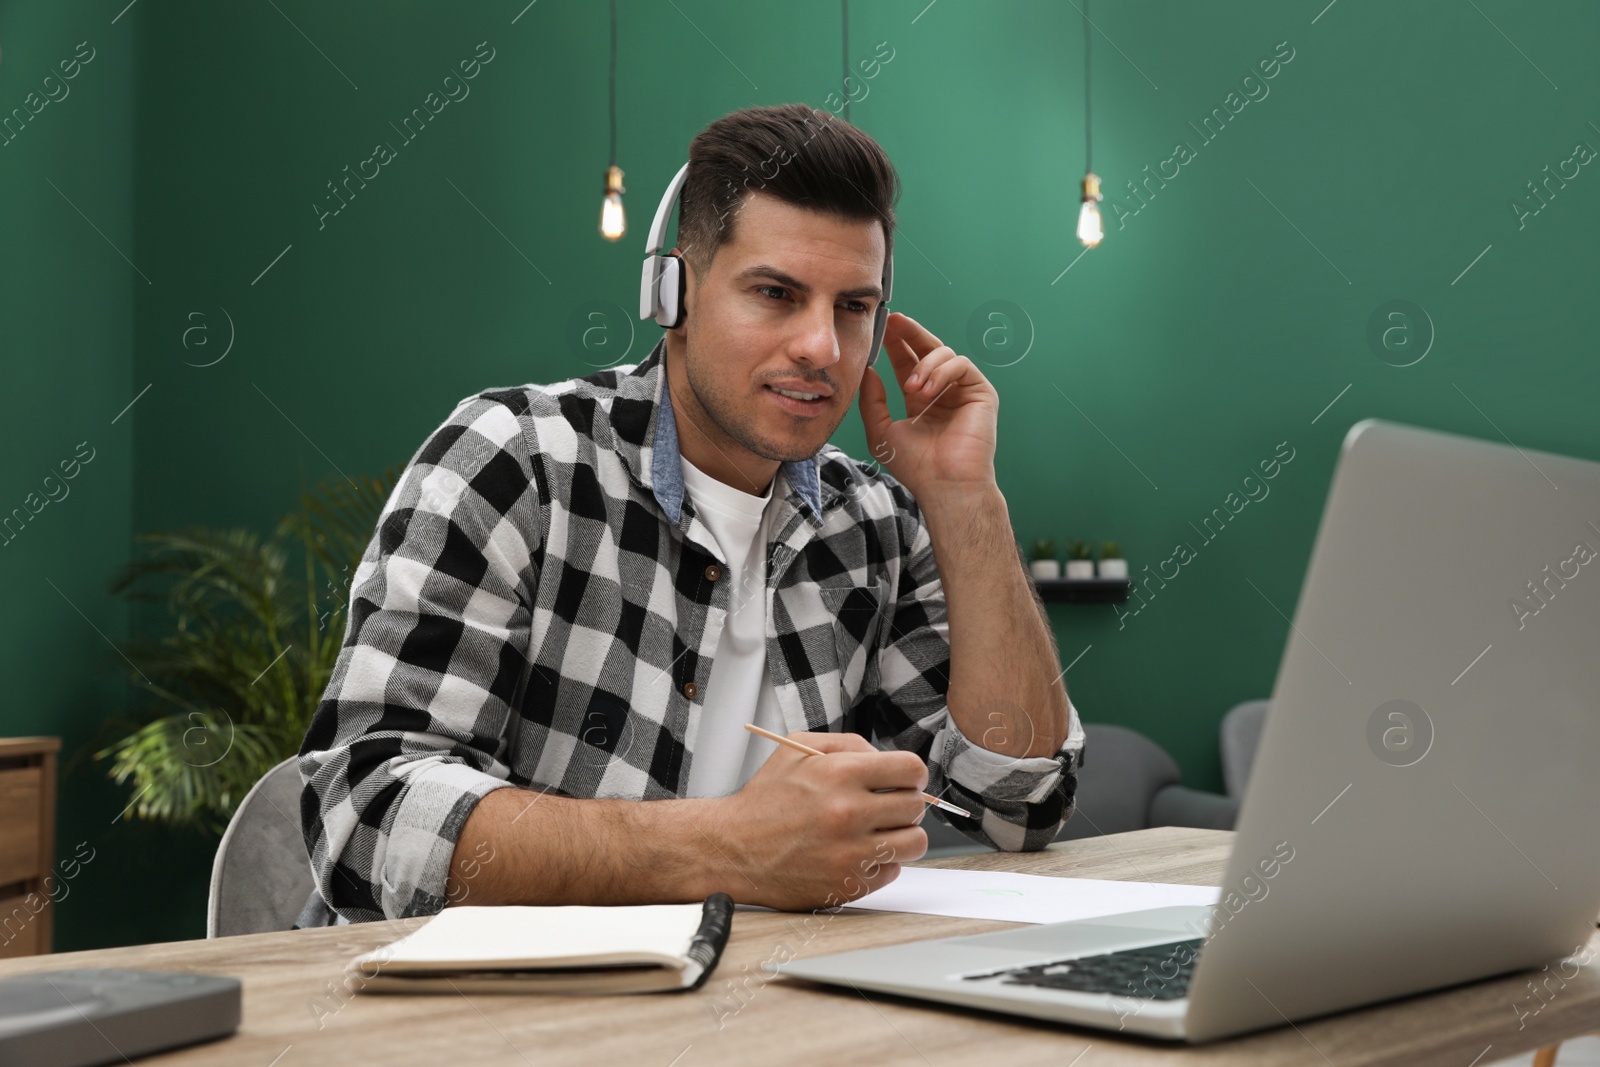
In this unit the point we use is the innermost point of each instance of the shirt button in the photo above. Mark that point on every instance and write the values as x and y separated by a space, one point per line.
713 572
691 690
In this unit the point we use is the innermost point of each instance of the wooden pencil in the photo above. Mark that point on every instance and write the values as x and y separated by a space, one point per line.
808 750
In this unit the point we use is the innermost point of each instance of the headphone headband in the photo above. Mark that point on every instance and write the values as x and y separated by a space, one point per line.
658 228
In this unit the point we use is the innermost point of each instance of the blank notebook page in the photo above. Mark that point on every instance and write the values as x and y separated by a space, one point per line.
548 936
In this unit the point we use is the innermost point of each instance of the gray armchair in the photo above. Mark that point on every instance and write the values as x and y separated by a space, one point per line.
1241 733
261 876
1127 782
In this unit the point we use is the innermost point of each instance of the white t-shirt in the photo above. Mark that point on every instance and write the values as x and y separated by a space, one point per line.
740 688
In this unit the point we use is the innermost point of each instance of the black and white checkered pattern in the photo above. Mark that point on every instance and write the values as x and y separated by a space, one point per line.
528 613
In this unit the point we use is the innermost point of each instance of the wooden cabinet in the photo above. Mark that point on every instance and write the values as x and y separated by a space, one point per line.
27 843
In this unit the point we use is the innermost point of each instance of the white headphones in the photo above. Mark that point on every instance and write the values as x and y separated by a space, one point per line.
661 283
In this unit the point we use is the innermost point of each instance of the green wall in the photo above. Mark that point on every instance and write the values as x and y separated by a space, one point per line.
1221 319
67 304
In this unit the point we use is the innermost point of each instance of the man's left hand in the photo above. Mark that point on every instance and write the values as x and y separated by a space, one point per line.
946 442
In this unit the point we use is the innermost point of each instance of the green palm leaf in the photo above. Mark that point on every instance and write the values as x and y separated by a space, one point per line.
256 625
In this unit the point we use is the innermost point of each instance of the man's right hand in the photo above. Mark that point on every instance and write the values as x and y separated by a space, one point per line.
809 831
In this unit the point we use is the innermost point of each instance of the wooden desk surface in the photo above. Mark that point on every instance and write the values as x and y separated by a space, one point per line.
293 982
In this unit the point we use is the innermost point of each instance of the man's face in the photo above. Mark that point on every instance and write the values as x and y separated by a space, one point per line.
787 305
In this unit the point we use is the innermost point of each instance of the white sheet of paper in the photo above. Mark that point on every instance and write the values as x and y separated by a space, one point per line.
1023 898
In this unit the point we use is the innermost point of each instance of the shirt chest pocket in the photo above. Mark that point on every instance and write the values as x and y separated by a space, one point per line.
858 614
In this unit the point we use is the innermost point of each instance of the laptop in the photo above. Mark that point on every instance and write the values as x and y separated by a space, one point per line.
1422 807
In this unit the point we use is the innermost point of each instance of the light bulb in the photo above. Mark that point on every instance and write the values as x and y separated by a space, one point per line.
613 221
1090 232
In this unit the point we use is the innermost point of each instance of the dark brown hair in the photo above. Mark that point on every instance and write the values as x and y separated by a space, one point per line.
801 155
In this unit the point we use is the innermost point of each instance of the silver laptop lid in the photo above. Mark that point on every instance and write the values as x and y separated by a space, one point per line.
1422 806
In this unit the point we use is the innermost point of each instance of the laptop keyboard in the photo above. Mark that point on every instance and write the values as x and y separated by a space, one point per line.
1154 972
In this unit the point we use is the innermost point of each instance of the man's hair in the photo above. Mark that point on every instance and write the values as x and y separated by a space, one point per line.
795 153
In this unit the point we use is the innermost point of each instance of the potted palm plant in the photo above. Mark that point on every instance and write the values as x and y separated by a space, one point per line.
1112 565
229 691
1045 565
1080 560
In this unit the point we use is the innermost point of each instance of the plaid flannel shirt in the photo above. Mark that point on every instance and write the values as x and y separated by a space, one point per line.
539 606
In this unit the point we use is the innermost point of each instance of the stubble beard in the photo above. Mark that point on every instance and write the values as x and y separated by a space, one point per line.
738 426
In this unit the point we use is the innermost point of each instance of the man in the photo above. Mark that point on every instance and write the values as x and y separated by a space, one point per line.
578 594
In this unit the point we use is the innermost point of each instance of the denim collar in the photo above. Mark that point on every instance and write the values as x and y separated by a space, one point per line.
666 468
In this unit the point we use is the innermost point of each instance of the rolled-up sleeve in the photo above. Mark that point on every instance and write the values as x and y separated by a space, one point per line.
411 731
1018 804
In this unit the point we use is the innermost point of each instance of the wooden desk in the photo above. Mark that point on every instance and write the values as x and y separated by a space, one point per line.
785 1021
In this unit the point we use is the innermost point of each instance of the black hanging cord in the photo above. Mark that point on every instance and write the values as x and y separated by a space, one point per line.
1088 158
613 82
844 18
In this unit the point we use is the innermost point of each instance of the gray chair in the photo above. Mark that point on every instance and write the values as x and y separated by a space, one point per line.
1127 782
262 876
1240 734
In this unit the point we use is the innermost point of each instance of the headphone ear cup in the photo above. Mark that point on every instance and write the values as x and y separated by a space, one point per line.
681 312
880 323
669 295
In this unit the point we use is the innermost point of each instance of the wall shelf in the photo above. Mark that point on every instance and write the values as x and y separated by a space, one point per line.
1083 590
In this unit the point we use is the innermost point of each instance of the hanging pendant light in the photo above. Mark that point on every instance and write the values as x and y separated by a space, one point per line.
613 221
844 41
1090 232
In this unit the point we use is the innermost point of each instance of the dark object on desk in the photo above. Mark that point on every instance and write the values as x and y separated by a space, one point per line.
1083 590
80 1018
1127 782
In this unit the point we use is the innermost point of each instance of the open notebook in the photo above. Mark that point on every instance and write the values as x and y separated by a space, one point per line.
641 948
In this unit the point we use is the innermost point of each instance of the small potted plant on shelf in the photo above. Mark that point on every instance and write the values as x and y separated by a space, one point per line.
1045 565
1112 565
1080 561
